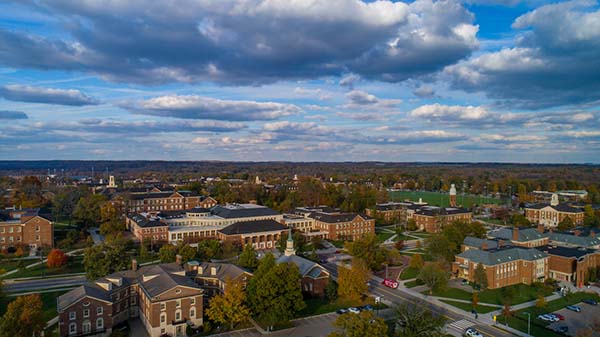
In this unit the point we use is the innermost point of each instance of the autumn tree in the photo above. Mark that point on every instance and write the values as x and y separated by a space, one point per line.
417 320
480 276
475 299
540 302
112 222
368 249
57 258
416 261
331 291
167 253
566 224
229 308
352 282
106 258
248 258
186 252
363 324
23 317
434 276
274 292
87 211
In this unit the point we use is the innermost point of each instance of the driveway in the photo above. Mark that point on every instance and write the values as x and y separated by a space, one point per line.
578 320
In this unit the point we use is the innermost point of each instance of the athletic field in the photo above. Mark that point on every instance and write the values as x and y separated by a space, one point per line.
442 199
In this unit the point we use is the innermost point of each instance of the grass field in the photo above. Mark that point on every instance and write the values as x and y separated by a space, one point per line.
441 199
481 309
409 273
74 265
522 293
382 236
48 300
317 306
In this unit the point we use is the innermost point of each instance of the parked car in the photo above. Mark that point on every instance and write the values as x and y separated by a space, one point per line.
548 318
558 316
367 307
470 332
354 310
464 282
590 301
342 311
561 329
574 308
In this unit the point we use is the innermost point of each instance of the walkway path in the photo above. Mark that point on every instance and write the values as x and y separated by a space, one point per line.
71 253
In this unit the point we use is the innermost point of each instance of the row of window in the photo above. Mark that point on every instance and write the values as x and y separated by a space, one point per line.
86 313
11 229
86 326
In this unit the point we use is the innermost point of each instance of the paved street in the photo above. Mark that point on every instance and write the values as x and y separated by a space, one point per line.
37 284
317 326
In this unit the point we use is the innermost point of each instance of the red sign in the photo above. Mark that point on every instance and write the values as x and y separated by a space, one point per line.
390 283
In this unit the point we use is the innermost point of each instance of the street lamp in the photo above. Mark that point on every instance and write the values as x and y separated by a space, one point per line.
528 322
378 300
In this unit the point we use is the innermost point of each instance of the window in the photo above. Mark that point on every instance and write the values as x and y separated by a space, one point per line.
72 329
37 238
192 313
178 304
86 313
100 323
86 327
99 310
177 315
37 228
193 301
72 315
163 317
162 306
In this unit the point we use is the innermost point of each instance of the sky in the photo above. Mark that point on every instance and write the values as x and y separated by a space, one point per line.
292 80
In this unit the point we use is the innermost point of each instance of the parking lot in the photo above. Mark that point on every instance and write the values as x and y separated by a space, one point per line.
578 320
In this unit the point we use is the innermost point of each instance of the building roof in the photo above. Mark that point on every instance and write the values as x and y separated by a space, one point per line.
436 211
525 234
86 290
231 211
255 226
307 267
336 217
477 242
564 208
502 255
565 251
165 278
144 222
574 240
391 206
222 271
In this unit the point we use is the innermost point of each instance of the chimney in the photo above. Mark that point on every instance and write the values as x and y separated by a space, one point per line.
134 265
577 232
484 246
515 236
592 233
500 243
540 228
178 259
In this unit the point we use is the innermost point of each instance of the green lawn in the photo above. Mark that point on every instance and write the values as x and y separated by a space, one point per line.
455 293
422 235
481 309
8 265
404 237
409 273
522 293
382 236
75 265
519 319
413 283
441 199
48 300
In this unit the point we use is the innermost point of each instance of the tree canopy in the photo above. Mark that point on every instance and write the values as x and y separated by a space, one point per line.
352 282
230 307
23 317
417 320
361 325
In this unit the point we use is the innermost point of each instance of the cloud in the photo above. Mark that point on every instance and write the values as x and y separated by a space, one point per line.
7 114
415 137
358 99
424 92
555 60
320 94
245 41
199 107
24 93
349 80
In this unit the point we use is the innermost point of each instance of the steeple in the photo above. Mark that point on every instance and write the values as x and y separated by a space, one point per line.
289 245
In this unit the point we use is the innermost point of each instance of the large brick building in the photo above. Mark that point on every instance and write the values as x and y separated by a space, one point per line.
25 228
214 277
571 264
158 199
504 266
162 296
550 215
522 237
432 219
147 229
261 234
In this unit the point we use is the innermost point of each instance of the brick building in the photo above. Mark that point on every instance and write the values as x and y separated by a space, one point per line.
432 219
550 215
343 226
214 277
571 264
504 266
390 212
147 230
261 234
522 237
161 199
25 228
162 296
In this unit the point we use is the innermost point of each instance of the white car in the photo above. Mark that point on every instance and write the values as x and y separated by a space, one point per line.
548 318
470 332
354 310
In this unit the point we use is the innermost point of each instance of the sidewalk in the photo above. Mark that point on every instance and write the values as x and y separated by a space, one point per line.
39 262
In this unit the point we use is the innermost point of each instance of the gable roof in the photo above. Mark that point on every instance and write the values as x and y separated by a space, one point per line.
502 255
525 234
306 266
222 270
255 226
574 240
336 217
477 242
87 290
232 211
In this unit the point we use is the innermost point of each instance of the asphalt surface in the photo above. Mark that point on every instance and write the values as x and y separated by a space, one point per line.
46 283
396 296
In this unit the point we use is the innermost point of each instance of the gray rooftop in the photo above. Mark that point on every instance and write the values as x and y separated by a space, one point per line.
502 255
477 242
306 266
525 234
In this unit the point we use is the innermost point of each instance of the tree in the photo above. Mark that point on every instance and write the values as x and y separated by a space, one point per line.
144 254
87 211
566 224
368 249
24 317
331 291
411 225
209 249
64 203
417 321
186 252
440 248
475 299
248 258
229 308
352 282
274 293
480 276
434 277
106 258
167 253
416 261
540 302
56 258
363 324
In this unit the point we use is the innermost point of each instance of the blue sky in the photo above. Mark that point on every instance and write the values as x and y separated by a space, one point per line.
336 80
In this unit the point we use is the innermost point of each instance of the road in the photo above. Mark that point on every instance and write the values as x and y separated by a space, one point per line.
46 283
457 322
